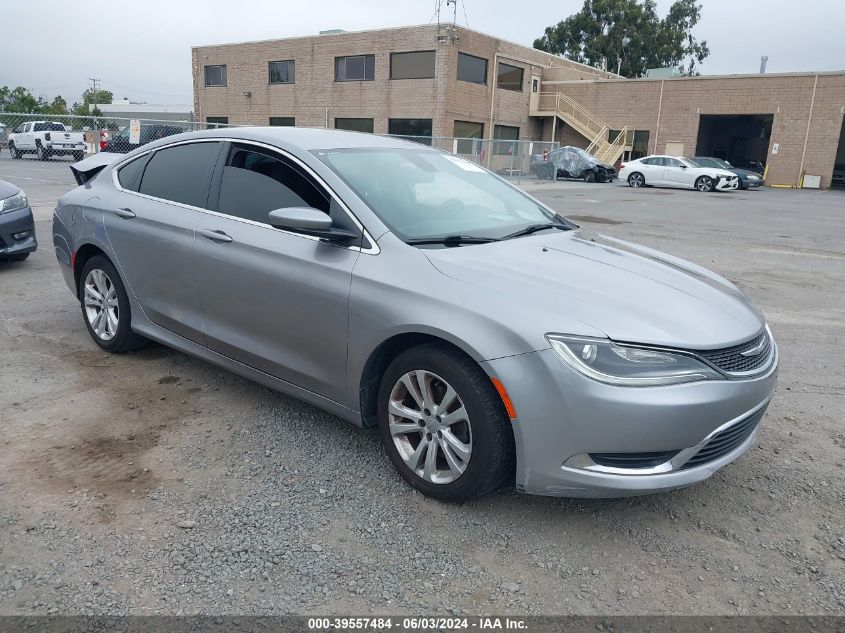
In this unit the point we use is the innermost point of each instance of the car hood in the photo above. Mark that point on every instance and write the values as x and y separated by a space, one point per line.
630 293
7 189
745 173
716 171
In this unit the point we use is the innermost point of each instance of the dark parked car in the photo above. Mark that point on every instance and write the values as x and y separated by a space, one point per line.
17 227
747 179
573 162
119 144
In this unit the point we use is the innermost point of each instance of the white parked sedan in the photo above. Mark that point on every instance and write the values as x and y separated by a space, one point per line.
671 171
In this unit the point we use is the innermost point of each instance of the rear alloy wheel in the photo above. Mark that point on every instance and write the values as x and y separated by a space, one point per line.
704 183
443 424
636 180
105 306
13 151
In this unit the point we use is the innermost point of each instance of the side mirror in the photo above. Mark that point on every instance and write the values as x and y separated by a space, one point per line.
683 166
309 222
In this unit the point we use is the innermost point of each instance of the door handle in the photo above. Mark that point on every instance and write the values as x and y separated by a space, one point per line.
215 236
124 213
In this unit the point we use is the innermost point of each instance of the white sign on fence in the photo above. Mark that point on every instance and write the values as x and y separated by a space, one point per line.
135 132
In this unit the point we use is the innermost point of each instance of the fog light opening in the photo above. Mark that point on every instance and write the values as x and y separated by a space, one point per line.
22 235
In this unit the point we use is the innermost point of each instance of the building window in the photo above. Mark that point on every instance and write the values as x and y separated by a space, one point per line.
354 68
412 128
354 125
282 121
282 72
502 134
215 75
415 65
216 121
467 130
472 69
510 77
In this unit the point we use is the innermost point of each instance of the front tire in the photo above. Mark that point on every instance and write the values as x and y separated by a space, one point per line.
590 176
636 180
704 183
13 151
443 424
105 307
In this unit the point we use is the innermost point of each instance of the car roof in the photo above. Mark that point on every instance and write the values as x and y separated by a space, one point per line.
302 138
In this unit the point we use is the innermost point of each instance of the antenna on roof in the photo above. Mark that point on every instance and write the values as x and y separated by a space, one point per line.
447 32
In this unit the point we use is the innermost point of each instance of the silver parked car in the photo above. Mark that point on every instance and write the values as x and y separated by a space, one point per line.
399 286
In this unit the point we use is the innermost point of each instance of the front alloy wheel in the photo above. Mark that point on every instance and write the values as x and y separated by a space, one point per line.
636 180
705 183
430 427
443 424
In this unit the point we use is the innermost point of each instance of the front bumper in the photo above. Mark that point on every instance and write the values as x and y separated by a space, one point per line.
15 223
564 416
724 183
752 184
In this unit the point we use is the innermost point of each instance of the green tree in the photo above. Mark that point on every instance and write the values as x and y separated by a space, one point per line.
606 32
20 100
92 96
57 106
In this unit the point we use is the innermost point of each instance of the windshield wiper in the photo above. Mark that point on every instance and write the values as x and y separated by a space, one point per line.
451 240
533 228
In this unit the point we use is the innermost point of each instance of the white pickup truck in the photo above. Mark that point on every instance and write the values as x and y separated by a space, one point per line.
46 139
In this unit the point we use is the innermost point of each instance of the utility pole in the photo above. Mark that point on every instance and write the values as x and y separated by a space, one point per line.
94 83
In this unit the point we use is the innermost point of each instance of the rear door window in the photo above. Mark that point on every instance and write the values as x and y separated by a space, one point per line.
181 173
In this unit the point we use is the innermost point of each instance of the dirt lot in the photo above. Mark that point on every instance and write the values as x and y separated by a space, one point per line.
155 483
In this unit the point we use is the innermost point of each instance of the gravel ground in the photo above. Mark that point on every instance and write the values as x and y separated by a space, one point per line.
155 483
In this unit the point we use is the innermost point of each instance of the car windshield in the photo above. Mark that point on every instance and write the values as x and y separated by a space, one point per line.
423 193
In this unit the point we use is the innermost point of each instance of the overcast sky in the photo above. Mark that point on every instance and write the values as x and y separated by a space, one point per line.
141 48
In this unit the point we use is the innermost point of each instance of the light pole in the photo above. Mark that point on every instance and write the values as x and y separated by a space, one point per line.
625 41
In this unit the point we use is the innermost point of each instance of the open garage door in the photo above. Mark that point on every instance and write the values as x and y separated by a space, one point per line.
742 140
838 178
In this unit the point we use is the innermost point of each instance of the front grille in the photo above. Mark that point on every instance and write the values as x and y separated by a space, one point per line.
725 441
731 360
632 460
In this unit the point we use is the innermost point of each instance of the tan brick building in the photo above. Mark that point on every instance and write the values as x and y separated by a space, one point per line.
454 82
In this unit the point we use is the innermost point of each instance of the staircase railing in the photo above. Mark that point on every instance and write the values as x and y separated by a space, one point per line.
587 124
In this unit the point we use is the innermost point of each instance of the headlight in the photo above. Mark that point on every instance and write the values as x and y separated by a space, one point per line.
753 177
628 366
13 203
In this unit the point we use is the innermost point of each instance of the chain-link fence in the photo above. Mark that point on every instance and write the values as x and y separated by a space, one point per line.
54 136
47 136
512 159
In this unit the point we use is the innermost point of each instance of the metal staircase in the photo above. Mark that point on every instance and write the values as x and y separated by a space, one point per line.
585 123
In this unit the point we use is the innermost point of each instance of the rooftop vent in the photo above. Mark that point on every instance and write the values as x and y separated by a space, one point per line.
332 31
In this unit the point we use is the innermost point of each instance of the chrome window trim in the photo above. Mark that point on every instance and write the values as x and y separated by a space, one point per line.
583 461
373 249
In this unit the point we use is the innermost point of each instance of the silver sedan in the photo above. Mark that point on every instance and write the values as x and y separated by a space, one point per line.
487 337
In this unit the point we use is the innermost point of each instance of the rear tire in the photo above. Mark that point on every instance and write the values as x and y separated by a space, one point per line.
704 184
13 151
78 156
475 419
112 330
636 180
42 153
